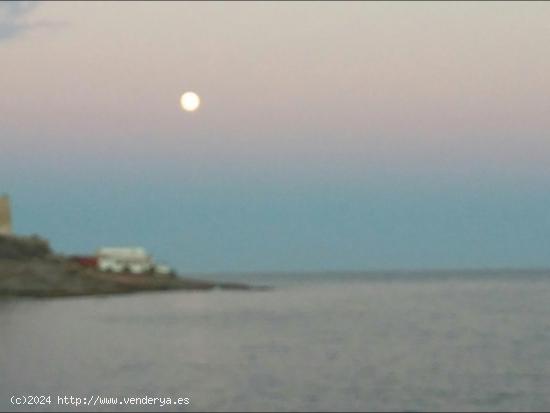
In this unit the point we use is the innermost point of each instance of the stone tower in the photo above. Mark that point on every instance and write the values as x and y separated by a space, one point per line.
5 215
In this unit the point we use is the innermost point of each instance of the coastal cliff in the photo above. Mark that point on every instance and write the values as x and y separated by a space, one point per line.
28 267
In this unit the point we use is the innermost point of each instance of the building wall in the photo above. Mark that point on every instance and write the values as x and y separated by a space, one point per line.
5 215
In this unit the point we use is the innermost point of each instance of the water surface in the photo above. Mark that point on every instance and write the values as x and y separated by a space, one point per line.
372 343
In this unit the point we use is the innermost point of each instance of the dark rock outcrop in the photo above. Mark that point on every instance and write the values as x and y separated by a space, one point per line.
28 267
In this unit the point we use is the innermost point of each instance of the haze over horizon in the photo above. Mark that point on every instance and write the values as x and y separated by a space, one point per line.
330 136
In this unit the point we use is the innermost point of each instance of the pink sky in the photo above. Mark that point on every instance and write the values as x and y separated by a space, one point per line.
358 83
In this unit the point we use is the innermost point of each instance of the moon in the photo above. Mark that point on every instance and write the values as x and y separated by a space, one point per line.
190 101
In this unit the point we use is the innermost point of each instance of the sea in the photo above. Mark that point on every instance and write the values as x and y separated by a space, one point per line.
386 341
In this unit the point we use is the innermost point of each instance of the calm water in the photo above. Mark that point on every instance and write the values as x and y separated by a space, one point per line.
396 343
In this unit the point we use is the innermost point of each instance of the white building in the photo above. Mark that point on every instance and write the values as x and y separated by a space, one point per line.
120 259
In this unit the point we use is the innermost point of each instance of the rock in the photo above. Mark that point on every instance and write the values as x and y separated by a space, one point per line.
28 267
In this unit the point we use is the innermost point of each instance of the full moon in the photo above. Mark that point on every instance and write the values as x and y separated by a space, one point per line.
190 101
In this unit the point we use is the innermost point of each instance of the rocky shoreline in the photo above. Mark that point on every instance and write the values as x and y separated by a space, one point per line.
28 268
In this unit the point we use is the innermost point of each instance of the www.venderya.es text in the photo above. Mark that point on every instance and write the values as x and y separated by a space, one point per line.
97 400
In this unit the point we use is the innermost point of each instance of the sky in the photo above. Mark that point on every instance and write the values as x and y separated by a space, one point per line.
331 135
